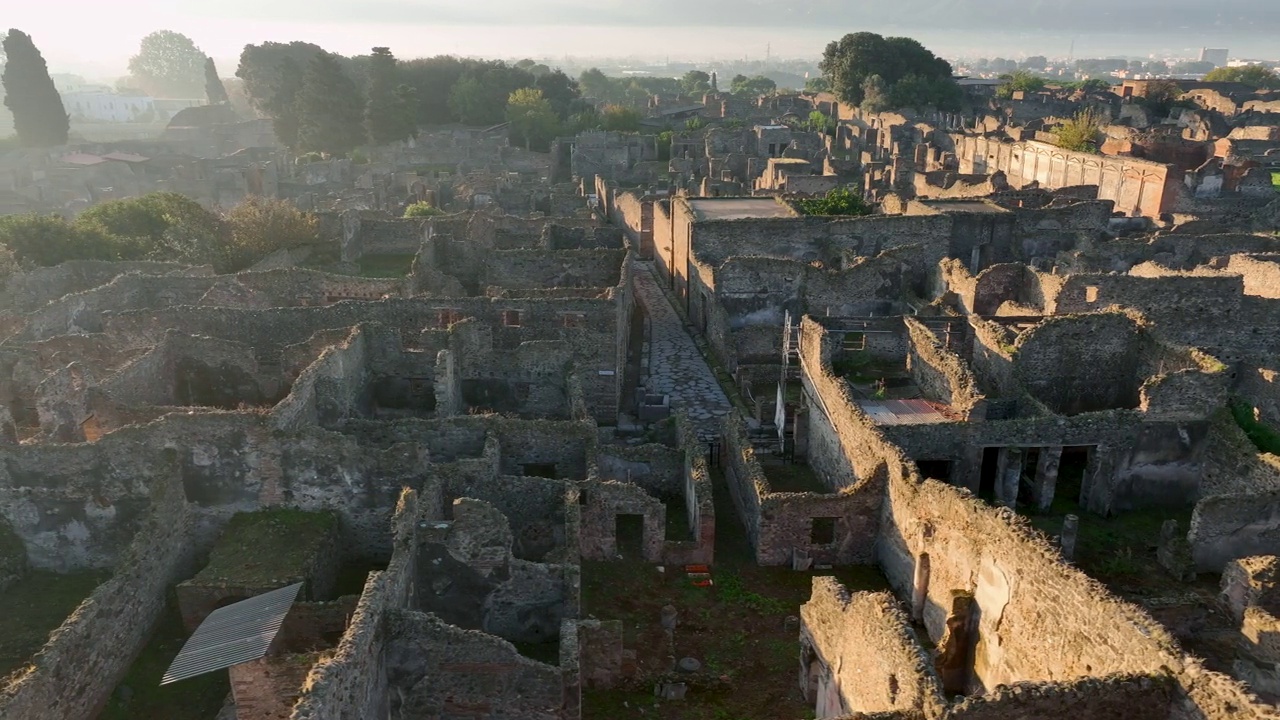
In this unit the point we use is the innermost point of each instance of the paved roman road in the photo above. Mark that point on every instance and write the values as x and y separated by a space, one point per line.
676 366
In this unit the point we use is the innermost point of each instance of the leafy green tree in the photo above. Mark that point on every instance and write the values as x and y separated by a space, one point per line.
260 226
169 64
389 110
847 64
695 82
421 210
1019 81
272 75
753 86
532 119
1081 132
695 124
875 95
664 145
840 201
47 240
213 87
480 96
596 84
432 80
561 91
1160 95
1193 67
620 119
330 109
820 123
39 117
163 226
817 85
1255 76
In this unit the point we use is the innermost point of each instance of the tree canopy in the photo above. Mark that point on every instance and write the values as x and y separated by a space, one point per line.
169 64
389 113
1019 81
927 80
1081 132
330 109
752 86
39 117
533 121
1255 76
480 96
695 82
213 88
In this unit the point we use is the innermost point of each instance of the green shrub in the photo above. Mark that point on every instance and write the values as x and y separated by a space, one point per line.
837 202
1263 436
421 210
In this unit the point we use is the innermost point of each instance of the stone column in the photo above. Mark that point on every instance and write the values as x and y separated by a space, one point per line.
1008 475
1070 531
1046 476
968 473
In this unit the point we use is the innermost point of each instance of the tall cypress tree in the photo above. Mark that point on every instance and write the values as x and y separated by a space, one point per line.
213 88
388 115
38 114
330 109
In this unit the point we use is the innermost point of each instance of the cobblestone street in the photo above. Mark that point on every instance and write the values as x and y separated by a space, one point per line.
676 366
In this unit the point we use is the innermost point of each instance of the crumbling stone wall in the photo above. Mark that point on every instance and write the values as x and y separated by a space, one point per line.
1141 697
77 670
859 655
942 376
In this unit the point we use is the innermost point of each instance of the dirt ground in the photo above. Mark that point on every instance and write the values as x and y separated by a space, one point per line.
737 628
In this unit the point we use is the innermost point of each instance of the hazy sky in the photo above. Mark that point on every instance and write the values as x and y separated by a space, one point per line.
96 37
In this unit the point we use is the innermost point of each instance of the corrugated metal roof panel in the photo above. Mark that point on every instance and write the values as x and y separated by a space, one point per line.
232 635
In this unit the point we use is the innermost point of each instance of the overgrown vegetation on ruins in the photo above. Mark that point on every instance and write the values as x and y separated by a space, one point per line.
891 73
1081 132
840 201
39 117
1262 435
160 226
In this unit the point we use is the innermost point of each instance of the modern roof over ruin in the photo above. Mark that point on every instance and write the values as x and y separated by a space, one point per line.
741 208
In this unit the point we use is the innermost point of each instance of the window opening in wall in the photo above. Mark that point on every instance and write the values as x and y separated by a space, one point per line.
447 316
1091 294
542 470
629 536
990 468
511 318
935 469
582 497
522 391
823 531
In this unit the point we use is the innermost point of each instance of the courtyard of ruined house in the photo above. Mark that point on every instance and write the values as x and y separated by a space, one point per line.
607 436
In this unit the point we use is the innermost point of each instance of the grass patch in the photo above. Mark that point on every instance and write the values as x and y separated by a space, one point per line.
197 698
35 606
386 266
736 628
1263 436
266 547
1275 180
1118 551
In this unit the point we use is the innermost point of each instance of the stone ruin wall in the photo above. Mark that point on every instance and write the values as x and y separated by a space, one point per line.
1012 572
859 654
1138 187
779 524
79 667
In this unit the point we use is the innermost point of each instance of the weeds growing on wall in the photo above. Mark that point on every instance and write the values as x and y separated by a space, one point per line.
1263 436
